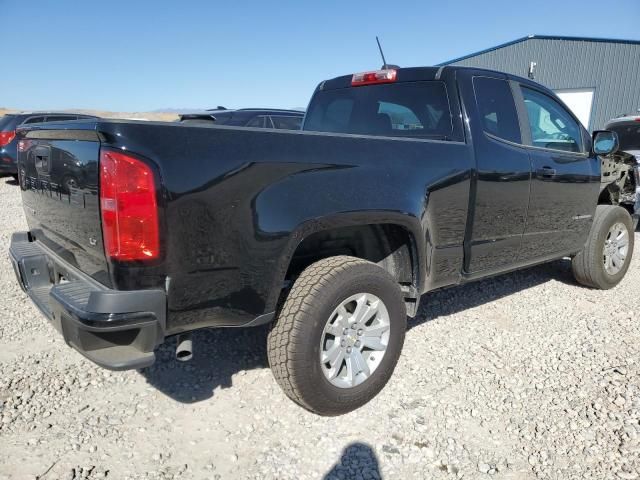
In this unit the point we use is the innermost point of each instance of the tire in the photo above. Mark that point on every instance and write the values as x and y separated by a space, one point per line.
589 265
69 182
300 333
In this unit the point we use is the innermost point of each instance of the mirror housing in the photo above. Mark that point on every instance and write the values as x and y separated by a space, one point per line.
605 142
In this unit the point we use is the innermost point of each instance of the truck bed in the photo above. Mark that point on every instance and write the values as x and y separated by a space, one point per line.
232 207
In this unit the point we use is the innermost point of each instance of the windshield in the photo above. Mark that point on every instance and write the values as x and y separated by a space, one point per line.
416 109
629 135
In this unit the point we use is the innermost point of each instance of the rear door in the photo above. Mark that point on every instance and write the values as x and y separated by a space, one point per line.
566 179
502 181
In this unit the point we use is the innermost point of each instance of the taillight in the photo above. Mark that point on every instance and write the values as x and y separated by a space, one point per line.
129 208
6 137
370 78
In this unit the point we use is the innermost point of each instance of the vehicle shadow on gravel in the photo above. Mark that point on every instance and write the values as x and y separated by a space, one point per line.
218 354
457 299
10 181
358 460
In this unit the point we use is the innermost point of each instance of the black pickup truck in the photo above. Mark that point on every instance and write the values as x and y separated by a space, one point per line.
402 181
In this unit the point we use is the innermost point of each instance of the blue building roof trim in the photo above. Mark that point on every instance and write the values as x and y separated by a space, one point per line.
539 37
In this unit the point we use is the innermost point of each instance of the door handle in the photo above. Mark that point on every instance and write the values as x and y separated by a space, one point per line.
546 172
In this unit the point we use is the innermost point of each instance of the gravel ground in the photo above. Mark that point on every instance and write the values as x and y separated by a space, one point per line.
523 376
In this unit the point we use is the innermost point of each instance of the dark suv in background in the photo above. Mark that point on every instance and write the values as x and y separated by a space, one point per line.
9 142
247 117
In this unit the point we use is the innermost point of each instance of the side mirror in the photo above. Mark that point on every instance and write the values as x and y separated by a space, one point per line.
605 142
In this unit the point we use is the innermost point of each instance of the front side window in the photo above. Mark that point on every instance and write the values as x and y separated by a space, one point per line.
497 108
550 124
415 109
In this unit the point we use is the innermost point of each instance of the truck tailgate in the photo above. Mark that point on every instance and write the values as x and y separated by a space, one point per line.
58 169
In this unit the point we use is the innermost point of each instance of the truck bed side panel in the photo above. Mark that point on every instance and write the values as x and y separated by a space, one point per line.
240 200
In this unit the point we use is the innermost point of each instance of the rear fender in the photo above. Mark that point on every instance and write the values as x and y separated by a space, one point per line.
350 219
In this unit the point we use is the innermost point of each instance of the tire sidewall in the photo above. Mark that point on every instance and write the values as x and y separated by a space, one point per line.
613 216
360 278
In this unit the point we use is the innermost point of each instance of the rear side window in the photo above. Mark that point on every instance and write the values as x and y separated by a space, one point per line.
286 123
497 108
61 118
257 122
222 118
415 109
35 120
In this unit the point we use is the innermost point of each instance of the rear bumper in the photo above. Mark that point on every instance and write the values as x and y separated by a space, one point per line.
7 168
118 330
8 164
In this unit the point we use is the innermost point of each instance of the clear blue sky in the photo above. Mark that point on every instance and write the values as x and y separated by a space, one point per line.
138 55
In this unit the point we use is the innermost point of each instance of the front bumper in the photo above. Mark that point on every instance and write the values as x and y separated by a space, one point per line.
116 329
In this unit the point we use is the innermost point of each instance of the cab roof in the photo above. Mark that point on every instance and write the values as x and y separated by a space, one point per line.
417 74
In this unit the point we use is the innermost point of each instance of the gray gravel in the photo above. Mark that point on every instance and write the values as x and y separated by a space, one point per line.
520 377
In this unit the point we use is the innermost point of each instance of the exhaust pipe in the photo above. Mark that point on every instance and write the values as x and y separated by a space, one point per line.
184 348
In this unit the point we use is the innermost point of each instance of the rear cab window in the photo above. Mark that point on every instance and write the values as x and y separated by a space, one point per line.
418 109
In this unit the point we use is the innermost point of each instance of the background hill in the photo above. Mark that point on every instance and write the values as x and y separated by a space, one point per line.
155 116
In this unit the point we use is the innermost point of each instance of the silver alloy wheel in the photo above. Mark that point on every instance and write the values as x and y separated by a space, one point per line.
616 247
354 340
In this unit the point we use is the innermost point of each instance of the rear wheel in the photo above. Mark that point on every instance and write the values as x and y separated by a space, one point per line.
69 183
606 256
338 336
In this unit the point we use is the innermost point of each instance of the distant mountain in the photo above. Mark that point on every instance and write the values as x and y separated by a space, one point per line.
177 110
212 107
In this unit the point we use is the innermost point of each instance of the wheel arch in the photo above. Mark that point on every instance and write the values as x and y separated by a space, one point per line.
394 242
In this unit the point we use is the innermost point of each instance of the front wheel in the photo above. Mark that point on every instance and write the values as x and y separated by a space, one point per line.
338 336
607 254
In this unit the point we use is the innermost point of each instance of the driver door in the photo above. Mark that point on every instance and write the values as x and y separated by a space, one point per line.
565 178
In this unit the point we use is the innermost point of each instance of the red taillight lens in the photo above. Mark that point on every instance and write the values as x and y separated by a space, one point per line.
6 137
129 208
370 78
